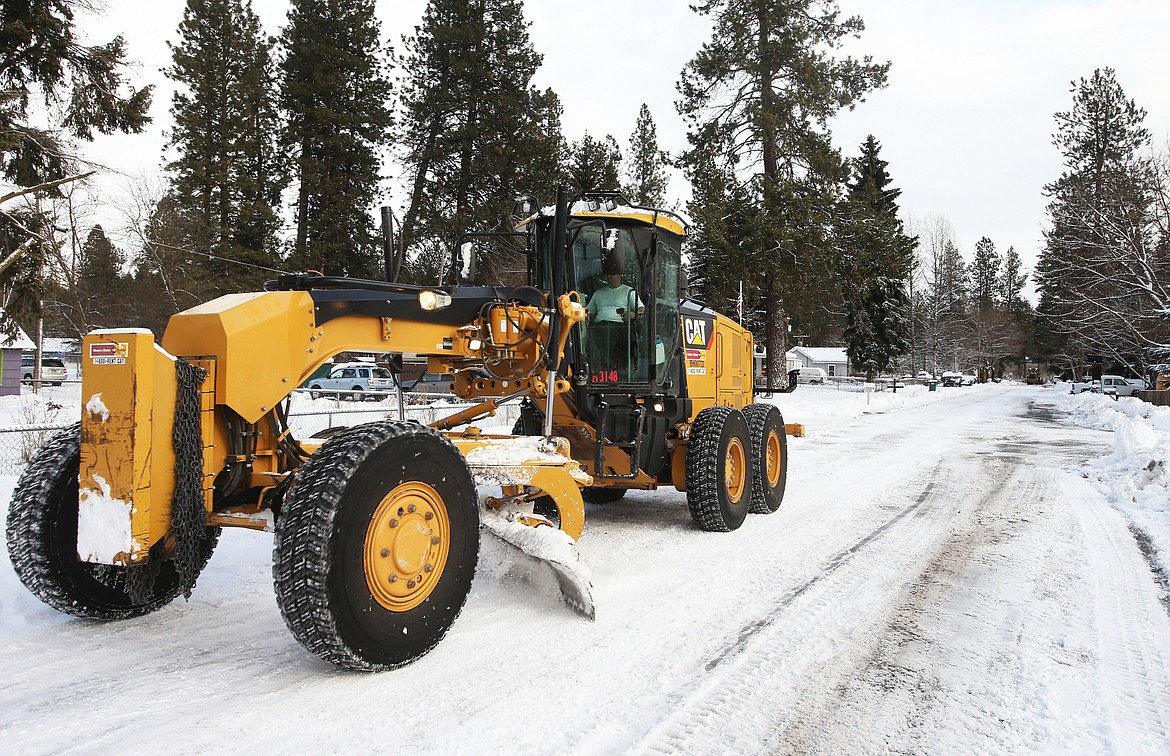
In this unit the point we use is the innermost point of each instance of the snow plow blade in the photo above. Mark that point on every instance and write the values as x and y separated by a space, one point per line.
537 539
527 468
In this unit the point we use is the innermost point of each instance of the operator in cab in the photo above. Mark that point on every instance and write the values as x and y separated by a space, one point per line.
613 310
616 302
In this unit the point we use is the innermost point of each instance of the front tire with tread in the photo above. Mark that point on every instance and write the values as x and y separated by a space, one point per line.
323 542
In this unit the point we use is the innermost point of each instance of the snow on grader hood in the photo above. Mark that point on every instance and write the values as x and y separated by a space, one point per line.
377 526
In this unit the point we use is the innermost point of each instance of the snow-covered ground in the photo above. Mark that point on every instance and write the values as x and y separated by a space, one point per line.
970 570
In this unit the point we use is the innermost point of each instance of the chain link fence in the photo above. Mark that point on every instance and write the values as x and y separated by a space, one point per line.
19 443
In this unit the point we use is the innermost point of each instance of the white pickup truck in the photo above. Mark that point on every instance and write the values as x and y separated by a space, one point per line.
1114 385
1118 386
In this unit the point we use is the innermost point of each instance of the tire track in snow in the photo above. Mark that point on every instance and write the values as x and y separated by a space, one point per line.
751 630
1013 604
1132 627
738 686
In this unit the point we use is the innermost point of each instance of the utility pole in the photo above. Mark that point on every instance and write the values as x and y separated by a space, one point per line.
40 337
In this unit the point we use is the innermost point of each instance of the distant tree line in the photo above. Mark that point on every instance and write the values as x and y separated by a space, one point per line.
966 316
276 156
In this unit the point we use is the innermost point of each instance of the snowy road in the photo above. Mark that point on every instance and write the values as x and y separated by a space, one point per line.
940 579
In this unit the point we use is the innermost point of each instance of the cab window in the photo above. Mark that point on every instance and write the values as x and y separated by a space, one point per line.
667 296
607 271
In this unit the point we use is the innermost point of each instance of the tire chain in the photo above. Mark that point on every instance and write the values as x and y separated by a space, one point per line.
188 517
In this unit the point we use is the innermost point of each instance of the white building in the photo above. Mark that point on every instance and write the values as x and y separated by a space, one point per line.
833 360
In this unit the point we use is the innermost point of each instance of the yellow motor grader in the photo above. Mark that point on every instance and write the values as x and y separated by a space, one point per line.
624 386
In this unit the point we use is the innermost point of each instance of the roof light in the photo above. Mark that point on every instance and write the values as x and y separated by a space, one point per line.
433 300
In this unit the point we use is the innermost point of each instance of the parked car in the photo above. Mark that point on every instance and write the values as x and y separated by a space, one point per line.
969 379
351 379
432 383
1115 385
53 370
1080 387
924 376
951 378
811 375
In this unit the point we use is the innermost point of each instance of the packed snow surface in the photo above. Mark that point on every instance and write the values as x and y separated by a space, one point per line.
969 570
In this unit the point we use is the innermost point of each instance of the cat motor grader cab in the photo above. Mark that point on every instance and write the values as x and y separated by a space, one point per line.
624 386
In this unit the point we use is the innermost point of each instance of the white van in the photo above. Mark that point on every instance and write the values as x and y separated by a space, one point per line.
811 375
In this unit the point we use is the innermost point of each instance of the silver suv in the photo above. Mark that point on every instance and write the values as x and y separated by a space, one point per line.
52 370
352 379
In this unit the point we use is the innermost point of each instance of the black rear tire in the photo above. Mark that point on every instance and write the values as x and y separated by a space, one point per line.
769 457
42 543
718 469
328 532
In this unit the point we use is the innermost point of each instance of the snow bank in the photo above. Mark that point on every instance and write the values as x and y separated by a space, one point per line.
1135 476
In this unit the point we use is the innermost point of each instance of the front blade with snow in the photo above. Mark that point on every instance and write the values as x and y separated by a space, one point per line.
551 547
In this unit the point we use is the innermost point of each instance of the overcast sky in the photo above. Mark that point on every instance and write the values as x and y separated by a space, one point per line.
965 123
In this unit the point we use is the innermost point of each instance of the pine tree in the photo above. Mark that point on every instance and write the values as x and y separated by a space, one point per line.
169 273
877 256
475 133
594 165
646 169
226 123
757 98
335 91
1010 287
43 58
101 288
83 89
1100 264
985 274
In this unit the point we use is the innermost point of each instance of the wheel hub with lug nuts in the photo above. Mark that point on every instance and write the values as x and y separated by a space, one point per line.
407 545
773 460
735 467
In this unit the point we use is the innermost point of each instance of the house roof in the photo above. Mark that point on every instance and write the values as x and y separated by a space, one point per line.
822 354
19 341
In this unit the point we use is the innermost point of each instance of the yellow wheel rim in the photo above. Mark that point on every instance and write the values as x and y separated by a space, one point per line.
772 460
407 545
735 469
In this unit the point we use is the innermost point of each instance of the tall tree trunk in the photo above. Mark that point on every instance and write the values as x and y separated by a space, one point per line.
302 242
775 336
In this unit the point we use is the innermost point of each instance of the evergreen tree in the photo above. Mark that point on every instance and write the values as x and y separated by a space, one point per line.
169 274
474 132
1011 283
43 58
84 90
985 274
877 256
1098 263
757 98
335 92
952 283
227 166
646 169
101 288
594 165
